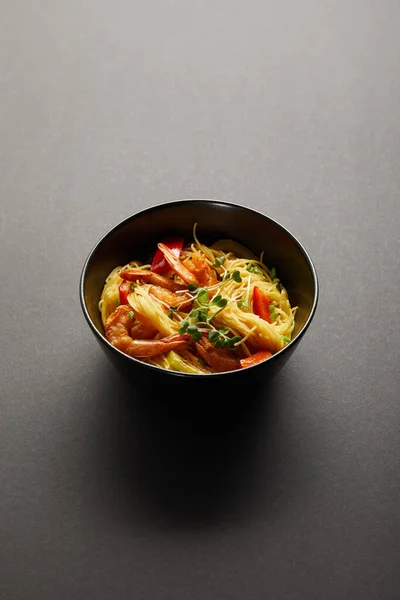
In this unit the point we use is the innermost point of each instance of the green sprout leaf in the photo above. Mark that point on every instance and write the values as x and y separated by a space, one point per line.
219 301
213 336
192 287
219 261
285 339
184 326
236 276
234 340
194 333
253 269
131 314
272 273
242 304
199 314
201 298
172 309
222 340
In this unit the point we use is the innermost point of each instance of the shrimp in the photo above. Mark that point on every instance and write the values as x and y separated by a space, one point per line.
168 298
150 277
198 265
119 330
219 359
193 270
177 266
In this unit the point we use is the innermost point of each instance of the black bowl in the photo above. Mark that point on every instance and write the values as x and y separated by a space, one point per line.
135 239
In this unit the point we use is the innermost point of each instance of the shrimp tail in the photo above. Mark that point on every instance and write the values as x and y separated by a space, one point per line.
150 277
219 359
149 348
177 266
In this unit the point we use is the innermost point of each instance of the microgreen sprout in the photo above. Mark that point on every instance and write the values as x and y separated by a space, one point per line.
192 330
172 309
236 276
201 298
219 261
221 340
242 304
219 301
253 269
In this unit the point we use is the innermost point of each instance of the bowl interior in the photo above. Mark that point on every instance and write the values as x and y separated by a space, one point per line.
136 239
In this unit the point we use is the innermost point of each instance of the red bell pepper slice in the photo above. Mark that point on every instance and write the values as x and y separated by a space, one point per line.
159 264
254 359
261 305
124 290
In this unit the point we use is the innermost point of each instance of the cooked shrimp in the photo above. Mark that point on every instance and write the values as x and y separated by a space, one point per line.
168 298
198 265
142 327
177 266
119 329
150 277
220 359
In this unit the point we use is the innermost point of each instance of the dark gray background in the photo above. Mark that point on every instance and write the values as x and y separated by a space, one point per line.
292 108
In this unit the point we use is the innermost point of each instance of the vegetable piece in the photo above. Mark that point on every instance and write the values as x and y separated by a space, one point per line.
222 340
219 261
172 309
261 304
284 338
124 291
160 264
192 330
177 363
218 300
254 359
253 269
273 313
201 298
236 276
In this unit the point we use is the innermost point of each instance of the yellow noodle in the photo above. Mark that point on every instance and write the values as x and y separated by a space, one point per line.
145 304
237 318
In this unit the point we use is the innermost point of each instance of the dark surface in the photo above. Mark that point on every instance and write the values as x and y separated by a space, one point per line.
108 492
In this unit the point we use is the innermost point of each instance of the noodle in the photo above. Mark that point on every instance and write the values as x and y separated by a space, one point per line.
238 309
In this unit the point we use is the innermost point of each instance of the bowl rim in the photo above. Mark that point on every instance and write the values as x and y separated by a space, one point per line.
159 206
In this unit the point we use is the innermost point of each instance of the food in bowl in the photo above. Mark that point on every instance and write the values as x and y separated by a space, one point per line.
197 309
